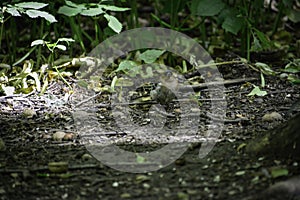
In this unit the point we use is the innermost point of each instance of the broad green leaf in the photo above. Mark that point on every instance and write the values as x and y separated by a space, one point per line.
233 24
92 12
206 7
69 11
36 13
113 8
257 91
150 56
32 5
113 23
126 65
13 11
37 42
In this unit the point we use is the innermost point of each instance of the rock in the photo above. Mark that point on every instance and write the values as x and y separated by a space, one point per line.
273 116
58 136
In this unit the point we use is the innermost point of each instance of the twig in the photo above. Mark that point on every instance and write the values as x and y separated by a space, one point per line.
86 100
215 83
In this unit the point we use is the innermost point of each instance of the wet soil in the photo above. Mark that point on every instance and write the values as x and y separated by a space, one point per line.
227 172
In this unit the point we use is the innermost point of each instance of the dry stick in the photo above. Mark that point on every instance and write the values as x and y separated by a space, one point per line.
214 83
88 99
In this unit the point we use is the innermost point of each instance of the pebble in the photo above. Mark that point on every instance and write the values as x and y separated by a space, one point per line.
273 116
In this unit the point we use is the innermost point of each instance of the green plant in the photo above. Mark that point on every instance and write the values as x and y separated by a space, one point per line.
24 80
32 10
239 18
94 10
52 47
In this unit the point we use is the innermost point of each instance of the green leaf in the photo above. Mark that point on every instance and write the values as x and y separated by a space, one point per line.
126 65
113 23
69 11
265 41
233 24
279 172
140 159
74 5
256 91
92 12
37 42
113 8
266 69
293 67
67 40
206 7
293 79
150 56
32 5
256 45
61 47
36 13
13 11
113 83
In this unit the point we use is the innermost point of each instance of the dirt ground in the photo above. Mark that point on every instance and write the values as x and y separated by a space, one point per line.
30 149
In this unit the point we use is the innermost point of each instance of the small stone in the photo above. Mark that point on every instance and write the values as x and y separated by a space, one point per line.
58 136
270 117
68 136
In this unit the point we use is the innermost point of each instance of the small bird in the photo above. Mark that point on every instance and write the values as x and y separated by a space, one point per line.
163 93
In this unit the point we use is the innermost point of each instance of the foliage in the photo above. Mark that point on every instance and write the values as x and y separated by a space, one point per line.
242 26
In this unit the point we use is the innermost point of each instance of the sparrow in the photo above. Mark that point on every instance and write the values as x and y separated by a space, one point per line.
163 92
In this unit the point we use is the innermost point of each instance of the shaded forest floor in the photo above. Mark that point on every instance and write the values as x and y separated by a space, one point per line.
227 172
